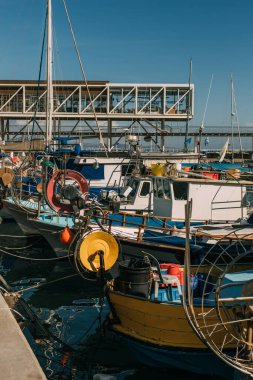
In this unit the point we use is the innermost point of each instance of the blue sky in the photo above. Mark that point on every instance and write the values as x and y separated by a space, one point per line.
143 41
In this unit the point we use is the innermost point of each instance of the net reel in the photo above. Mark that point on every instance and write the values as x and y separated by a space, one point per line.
221 313
96 253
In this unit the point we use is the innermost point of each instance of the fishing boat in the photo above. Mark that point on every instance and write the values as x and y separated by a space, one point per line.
148 305
225 202
232 304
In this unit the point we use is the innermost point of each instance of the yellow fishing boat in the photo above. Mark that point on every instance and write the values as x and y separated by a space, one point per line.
151 306
157 330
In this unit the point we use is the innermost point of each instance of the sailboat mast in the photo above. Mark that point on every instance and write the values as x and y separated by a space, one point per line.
186 142
232 116
49 108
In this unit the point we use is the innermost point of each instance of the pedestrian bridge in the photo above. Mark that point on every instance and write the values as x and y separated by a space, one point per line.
110 101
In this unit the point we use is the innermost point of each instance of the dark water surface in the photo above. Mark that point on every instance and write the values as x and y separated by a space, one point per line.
72 312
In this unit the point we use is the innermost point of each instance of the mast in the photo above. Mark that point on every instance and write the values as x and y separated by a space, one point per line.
49 107
186 142
232 115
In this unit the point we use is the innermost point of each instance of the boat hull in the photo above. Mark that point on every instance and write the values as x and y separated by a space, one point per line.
21 218
160 335
51 233
196 361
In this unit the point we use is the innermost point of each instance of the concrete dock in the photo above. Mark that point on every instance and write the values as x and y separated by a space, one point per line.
17 360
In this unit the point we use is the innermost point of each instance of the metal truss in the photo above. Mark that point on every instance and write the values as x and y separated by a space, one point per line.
168 102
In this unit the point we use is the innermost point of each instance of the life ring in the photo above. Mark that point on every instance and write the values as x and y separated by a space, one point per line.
54 201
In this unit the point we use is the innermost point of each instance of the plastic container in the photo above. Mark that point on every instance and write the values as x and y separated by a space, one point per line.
194 284
158 170
233 173
166 293
212 175
135 278
162 296
173 270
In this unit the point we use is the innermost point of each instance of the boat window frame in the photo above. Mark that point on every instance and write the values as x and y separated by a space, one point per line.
167 192
147 193
184 193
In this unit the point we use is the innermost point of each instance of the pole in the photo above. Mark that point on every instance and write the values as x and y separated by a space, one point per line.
188 111
49 108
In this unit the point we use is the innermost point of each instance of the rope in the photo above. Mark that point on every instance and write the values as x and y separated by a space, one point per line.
20 248
44 284
39 79
32 258
17 236
101 140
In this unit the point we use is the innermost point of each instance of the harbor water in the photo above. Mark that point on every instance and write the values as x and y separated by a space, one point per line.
72 310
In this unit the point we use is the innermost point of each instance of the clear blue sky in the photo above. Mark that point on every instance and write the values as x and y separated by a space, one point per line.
141 41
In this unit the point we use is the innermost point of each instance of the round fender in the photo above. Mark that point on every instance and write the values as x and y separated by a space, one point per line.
51 189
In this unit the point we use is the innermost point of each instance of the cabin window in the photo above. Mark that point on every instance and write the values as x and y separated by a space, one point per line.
247 200
180 191
154 187
134 185
145 189
159 183
127 169
166 189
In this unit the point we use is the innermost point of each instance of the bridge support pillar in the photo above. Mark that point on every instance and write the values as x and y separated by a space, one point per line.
109 138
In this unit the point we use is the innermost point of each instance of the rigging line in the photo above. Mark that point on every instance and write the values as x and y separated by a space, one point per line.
20 248
39 79
237 123
32 258
101 140
188 110
18 236
43 284
207 100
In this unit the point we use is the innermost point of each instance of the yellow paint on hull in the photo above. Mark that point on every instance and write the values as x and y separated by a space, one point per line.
162 324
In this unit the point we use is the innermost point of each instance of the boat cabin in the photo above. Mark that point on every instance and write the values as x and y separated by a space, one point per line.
211 199
138 194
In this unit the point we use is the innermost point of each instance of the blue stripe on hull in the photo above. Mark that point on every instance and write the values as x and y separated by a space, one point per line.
201 362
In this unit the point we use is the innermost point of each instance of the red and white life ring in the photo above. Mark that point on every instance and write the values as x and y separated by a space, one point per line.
51 191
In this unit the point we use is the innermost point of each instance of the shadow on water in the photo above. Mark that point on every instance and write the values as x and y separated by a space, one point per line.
72 312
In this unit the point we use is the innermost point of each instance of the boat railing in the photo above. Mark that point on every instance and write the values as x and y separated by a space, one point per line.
241 204
124 221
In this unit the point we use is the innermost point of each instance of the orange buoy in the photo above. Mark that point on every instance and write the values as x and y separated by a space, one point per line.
66 235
